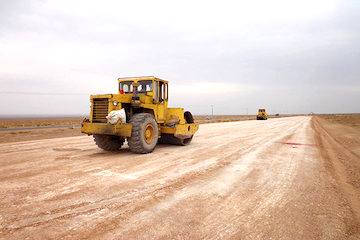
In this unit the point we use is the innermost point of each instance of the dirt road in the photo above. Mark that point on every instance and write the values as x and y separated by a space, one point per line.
237 180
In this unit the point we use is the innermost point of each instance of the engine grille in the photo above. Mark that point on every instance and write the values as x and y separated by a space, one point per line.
100 110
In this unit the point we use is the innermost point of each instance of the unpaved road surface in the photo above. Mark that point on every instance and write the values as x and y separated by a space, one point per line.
236 180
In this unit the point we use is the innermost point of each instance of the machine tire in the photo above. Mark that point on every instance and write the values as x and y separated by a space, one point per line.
109 142
188 117
144 135
171 139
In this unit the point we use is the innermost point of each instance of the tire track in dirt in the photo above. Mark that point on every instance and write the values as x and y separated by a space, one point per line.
144 192
64 146
332 152
234 181
222 180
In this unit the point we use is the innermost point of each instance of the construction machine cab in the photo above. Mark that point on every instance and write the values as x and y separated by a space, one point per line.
152 87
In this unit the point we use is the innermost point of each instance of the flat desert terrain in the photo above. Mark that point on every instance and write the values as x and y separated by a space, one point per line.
284 178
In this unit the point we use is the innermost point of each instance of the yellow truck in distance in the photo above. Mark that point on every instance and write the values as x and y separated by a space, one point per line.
262 115
140 114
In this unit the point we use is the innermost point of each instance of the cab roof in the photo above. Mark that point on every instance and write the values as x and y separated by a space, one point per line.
141 78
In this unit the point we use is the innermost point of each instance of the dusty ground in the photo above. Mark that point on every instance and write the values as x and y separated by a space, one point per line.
339 140
38 134
37 122
26 129
350 120
286 178
222 118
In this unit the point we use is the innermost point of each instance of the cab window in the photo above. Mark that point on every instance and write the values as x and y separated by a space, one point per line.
163 91
126 87
145 86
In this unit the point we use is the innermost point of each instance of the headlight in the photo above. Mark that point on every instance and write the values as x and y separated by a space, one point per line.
115 103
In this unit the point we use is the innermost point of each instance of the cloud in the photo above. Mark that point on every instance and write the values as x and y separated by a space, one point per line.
238 49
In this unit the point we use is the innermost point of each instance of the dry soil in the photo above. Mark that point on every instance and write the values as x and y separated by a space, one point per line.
285 178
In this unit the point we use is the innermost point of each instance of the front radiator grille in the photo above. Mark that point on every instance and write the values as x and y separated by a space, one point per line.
100 110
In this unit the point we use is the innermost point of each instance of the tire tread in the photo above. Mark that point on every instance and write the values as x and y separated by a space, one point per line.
108 142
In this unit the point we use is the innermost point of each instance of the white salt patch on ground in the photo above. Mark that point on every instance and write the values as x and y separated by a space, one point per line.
108 173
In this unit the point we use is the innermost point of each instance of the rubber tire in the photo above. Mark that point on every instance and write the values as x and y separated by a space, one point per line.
136 142
188 117
109 142
171 139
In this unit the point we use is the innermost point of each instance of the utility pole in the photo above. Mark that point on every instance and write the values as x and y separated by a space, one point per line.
212 111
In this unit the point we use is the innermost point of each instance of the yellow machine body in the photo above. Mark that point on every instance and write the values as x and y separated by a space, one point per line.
137 95
262 115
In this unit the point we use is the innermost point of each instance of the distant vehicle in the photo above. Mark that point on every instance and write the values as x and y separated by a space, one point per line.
262 115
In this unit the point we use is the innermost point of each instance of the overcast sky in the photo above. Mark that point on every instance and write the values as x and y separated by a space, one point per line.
287 56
